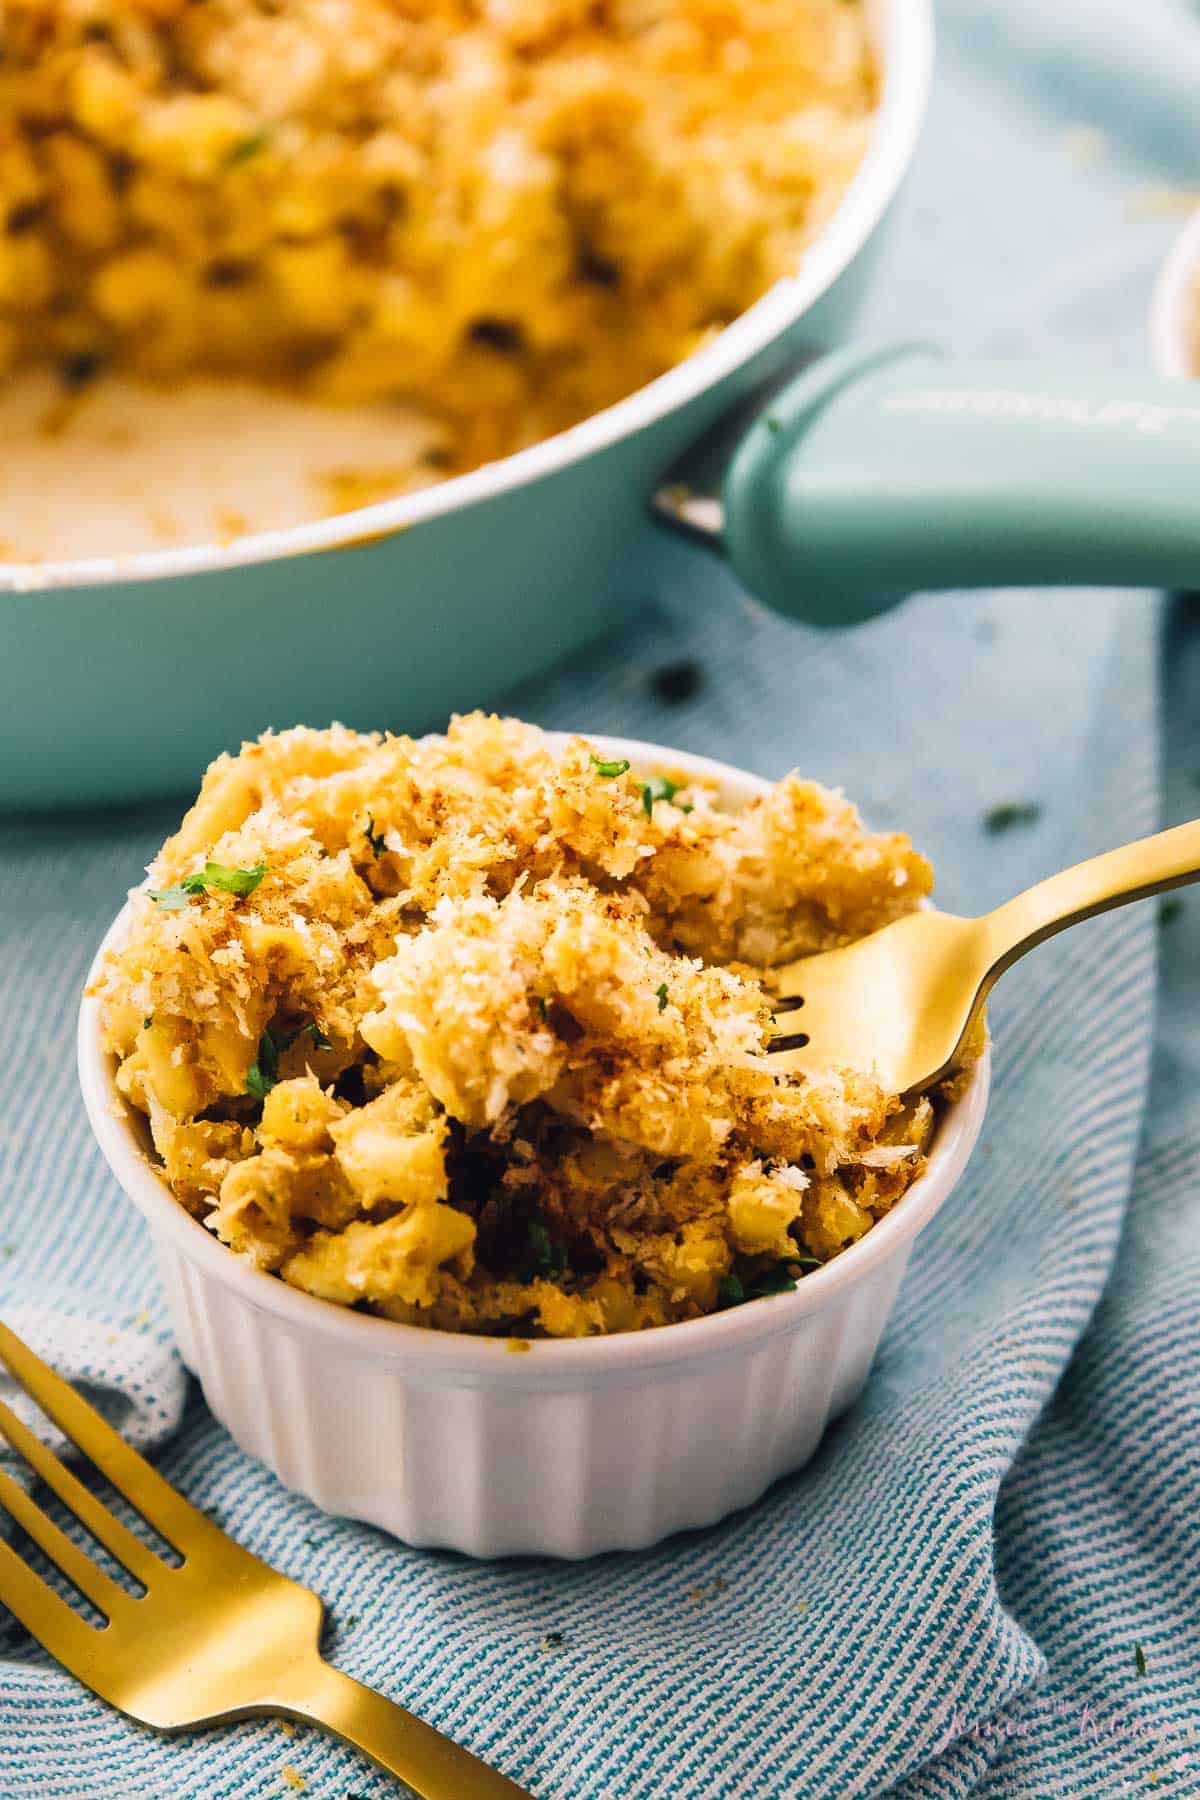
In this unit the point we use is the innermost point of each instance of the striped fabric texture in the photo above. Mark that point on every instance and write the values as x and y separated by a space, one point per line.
952 1598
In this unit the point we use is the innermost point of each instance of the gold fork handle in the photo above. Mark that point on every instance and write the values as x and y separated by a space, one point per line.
1152 865
434 1766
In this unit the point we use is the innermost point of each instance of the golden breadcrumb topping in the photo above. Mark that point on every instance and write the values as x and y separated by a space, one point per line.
470 1030
509 213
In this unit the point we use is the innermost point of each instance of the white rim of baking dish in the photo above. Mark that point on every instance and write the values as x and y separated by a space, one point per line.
1175 310
904 40
120 1132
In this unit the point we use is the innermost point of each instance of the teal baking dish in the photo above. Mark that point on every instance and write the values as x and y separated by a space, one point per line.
122 678
834 492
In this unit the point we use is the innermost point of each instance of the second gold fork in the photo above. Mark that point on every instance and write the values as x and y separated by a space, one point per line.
219 1637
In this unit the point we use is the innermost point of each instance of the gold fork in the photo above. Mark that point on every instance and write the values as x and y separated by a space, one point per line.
905 1000
218 1638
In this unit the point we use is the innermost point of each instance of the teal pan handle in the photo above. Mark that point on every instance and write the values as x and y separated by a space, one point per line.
878 475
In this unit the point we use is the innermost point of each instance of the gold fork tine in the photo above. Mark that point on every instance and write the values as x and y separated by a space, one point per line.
117 1539
74 1563
907 1000
129 1473
56 1627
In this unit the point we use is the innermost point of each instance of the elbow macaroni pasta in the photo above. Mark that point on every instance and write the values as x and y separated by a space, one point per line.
509 213
470 1031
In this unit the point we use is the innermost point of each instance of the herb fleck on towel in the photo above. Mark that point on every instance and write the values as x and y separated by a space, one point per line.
1010 815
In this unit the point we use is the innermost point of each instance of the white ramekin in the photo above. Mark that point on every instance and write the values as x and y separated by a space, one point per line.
1175 310
568 1449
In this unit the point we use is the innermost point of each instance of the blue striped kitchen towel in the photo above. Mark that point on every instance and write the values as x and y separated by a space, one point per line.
987 1581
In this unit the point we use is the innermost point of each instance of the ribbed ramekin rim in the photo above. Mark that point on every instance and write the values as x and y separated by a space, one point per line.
431 1352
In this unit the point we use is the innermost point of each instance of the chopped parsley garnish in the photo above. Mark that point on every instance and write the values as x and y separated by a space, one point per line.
662 991
781 1279
230 881
773 425
550 1257
212 875
553 1640
263 1072
662 789
609 769
1011 814
172 899
247 147
539 1239
375 838
148 1021
1139 1660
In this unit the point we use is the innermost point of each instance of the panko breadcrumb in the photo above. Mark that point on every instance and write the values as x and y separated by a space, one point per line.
509 213
470 1031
